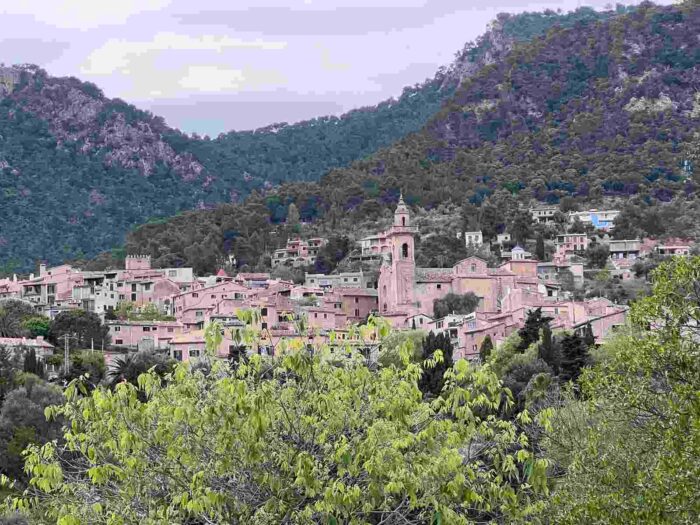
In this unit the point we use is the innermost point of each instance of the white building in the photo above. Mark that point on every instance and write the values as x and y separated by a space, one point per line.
599 219
473 238
543 214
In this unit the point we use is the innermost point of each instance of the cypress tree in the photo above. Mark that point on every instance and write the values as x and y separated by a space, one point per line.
530 332
588 336
432 380
485 348
539 248
548 349
574 357
30 363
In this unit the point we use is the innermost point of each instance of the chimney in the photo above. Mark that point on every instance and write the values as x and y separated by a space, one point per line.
39 338
31 276
42 269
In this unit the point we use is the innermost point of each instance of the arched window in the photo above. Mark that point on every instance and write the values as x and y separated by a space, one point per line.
385 307
403 221
404 250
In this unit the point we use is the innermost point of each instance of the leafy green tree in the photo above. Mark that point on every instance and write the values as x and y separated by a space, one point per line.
13 313
9 365
82 328
22 422
37 325
293 218
597 255
400 343
86 362
519 376
331 254
629 451
521 226
455 304
440 251
577 226
317 441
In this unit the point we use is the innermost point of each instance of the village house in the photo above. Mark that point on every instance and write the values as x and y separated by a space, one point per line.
599 219
543 214
570 244
51 286
624 249
474 239
10 288
503 238
298 252
555 271
144 335
341 280
672 247
18 345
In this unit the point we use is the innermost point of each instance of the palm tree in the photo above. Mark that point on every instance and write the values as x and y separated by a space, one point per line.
130 366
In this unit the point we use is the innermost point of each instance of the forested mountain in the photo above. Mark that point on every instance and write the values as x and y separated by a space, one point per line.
78 170
604 109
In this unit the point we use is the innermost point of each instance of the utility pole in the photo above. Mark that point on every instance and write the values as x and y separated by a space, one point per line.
66 360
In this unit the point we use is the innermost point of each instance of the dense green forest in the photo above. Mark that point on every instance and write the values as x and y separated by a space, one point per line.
603 113
78 170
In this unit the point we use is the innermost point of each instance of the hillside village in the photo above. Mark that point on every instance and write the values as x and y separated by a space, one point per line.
166 309
474 302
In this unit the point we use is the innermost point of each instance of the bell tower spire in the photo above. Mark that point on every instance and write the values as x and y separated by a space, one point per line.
402 215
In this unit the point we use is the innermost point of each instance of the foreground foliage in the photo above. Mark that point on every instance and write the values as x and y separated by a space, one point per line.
298 439
631 447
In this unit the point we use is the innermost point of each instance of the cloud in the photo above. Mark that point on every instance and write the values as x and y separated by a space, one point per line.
327 64
214 79
30 50
118 54
321 18
81 14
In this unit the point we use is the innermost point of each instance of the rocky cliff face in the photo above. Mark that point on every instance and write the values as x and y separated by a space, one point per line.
79 112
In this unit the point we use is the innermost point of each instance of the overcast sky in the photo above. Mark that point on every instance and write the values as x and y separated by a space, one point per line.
209 66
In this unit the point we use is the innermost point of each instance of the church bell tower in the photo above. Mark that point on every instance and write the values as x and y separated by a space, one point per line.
397 274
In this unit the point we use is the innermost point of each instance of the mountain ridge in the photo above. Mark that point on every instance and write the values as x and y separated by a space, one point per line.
601 110
79 170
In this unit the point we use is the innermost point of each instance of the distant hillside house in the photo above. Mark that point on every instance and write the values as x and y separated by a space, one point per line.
599 219
543 214
624 249
20 344
570 244
341 280
473 238
672 249
502 238
298 252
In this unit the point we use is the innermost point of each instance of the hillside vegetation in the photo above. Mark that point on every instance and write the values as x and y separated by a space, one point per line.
79 170
605 110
